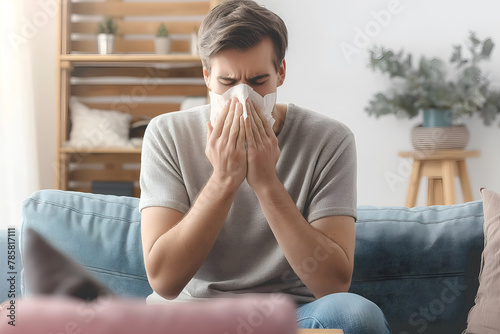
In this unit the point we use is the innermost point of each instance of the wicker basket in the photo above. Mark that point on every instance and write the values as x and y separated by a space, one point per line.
439 138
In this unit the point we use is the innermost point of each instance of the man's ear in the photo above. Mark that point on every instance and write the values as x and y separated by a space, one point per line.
206 76
282 73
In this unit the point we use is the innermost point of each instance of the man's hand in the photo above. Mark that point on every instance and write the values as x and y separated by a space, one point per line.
263 150
226 146
175 245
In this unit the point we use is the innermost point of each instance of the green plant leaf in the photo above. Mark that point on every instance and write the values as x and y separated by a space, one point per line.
456 56
466 92
487 48
474 40
489 113
162 31
107 26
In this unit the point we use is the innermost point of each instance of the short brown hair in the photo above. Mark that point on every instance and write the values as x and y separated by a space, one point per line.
240 25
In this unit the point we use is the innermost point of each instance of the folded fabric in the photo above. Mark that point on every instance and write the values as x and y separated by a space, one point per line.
262 314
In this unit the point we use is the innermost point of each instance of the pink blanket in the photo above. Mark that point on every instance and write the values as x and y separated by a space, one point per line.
247 314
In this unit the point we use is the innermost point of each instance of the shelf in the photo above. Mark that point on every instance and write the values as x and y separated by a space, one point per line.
130 58
72 150
133 80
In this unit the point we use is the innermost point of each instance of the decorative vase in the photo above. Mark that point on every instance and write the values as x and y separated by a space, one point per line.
105 44
438 133
439 138
437 118
162 45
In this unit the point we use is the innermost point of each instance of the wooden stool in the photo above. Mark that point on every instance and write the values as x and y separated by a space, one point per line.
440 167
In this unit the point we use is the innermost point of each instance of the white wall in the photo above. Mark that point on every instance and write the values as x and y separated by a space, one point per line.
322 78
39 31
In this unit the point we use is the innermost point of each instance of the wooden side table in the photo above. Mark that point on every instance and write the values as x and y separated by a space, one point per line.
440 167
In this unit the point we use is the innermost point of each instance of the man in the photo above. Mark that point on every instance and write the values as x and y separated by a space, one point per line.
241 206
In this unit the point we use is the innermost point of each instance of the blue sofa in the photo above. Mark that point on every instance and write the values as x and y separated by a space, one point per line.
419 265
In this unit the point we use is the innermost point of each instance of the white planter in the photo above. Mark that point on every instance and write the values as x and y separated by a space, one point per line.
162 45
105 44
194 44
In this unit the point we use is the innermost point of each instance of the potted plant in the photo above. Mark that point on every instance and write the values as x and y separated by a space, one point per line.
443 99
162 41
106 36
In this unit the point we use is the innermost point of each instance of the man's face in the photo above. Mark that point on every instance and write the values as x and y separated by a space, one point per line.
254 67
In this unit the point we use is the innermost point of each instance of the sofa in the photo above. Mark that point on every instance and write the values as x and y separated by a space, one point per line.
419 265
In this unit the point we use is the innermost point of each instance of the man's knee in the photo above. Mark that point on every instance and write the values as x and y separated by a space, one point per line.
350 312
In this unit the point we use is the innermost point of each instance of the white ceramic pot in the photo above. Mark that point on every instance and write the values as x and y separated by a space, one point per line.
105 44
162 45
194 44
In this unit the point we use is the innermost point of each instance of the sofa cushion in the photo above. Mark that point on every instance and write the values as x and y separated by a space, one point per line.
270 314
100 232
483 317
415 263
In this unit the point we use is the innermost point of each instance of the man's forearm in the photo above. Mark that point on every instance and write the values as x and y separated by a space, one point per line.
321 264
178 254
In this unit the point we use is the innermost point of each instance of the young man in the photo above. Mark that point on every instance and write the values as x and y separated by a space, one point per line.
238 205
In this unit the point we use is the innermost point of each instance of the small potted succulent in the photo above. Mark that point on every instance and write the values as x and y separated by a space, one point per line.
162 40
106 36
443 99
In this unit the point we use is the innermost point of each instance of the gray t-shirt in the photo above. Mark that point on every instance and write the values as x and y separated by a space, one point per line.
317 166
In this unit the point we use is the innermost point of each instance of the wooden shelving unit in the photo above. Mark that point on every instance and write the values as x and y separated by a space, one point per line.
130 58
132 80
70 150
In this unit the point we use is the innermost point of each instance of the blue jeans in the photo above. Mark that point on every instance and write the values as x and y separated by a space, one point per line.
347 311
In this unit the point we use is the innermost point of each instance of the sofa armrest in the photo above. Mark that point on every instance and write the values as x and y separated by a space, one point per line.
100 232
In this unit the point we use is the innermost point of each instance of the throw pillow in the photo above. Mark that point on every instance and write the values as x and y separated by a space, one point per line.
47 271
483 317
91 128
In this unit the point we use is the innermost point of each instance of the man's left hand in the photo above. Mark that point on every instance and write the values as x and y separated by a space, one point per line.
263 150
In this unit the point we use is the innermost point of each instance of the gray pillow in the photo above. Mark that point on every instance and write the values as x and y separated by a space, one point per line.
484 316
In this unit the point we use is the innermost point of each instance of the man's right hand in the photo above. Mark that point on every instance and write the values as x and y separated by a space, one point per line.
226 146
175 245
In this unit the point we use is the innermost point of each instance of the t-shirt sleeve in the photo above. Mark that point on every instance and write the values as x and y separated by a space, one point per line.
161 179
334 190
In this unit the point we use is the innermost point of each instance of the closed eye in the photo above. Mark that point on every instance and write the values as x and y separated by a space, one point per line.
259 80
227 81
257 83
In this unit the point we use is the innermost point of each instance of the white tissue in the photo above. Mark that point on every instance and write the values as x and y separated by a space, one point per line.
243 92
